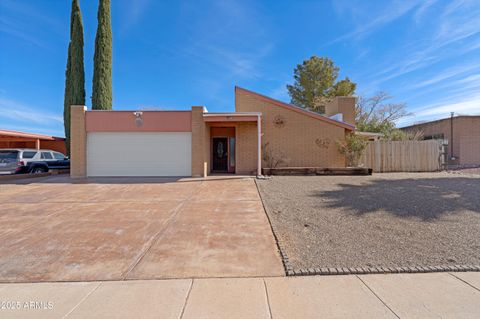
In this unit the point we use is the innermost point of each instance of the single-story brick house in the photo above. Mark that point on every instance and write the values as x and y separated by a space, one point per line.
462 134
262 132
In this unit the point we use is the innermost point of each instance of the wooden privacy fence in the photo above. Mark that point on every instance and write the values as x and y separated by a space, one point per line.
403 156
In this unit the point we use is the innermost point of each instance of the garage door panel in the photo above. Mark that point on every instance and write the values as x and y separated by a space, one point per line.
139 154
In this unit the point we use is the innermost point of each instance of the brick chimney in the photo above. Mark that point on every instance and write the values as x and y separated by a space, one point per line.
344 105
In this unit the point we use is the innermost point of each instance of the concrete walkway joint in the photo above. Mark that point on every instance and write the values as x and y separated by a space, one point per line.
430 295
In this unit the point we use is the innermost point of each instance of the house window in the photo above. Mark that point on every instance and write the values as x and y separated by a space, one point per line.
438 136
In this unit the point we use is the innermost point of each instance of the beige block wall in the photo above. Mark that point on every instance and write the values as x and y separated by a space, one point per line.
302 141
78 140
466 136
246 143
344 105
200 142
468 131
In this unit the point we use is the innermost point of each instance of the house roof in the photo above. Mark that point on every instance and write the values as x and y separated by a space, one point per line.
297 109
439 120
16 134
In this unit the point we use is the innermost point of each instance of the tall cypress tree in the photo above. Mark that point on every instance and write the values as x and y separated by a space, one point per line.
102 60
75 73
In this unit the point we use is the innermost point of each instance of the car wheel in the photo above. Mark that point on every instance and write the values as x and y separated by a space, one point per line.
38 170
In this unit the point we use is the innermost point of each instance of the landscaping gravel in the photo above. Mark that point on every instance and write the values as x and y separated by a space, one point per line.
389 219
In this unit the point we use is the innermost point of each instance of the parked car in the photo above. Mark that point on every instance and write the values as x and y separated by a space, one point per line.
18 161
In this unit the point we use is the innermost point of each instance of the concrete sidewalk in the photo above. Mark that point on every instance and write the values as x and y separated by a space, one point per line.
434 295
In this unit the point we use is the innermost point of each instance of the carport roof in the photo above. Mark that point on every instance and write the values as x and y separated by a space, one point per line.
16 134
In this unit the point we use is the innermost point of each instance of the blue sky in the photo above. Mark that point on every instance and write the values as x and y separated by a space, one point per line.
174 54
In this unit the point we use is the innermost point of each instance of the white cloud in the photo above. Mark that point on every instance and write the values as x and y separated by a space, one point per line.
32 129
19 112
466 105
12 28
280 93
21 20
231 35
391 13
447 74
422 9
132 13
455 33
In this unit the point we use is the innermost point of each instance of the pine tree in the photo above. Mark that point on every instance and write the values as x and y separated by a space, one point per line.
316 82
102 60
74 74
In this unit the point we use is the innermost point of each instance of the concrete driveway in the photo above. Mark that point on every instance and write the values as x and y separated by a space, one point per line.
56 229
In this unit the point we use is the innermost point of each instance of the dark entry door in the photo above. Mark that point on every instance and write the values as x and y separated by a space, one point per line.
220 154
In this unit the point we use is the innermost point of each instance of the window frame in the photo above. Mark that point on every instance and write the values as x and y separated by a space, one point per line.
62 157
34 154
51 156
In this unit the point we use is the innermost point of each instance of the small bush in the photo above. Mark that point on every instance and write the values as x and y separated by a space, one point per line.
352 147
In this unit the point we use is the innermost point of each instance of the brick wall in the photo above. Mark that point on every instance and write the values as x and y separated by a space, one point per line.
78 142
246 157
468 131
344 105
297 139
200 141
58 146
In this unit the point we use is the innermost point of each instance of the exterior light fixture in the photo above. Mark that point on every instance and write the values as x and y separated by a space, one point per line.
138 118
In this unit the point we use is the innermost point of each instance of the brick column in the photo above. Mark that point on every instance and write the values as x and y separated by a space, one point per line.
199 137
78 142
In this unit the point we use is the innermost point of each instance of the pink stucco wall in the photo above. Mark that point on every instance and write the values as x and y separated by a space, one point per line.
124 121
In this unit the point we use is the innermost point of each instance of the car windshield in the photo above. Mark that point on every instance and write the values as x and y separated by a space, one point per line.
8 155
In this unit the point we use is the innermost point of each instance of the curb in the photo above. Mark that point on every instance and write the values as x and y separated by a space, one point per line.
16 177
329 271
381 270
286 262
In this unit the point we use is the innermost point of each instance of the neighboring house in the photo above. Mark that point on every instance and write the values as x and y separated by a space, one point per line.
13 139
462 134
371 136
262 132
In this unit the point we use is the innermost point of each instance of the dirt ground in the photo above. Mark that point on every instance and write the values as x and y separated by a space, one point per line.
58 229
473 170
390 219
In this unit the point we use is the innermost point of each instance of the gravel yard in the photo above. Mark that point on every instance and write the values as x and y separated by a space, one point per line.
472 170
389 220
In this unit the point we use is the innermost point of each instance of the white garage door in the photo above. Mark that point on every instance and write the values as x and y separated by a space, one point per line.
139 154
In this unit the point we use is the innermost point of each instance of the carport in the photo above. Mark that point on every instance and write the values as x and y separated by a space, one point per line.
14 139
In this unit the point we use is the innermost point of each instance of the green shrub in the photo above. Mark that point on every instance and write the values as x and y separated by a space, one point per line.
353 148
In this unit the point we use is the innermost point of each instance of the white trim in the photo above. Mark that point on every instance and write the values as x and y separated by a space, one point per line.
259 146
233 114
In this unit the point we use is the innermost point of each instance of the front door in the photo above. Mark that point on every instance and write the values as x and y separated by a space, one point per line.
220 154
